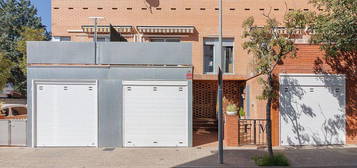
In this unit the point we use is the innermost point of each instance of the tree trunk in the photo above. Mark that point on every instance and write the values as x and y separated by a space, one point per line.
268 117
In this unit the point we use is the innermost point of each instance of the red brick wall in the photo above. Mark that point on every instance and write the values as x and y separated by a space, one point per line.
231 130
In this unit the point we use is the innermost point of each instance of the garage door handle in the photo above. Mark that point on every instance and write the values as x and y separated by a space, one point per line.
154 142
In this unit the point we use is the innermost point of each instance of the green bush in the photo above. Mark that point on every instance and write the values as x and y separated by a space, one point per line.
277 160
241 112
232 107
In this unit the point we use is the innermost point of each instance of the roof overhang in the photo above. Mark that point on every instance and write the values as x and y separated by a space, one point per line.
106 29
166 29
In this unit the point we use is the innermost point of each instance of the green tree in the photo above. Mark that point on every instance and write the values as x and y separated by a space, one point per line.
334 26
28 34
5 73
14 16
268 47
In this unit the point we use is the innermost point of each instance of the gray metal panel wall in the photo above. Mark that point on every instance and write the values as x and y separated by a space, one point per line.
110 93
43 52
18 132
109 53
4 132
145 53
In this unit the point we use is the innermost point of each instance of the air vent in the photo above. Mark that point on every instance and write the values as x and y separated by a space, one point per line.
247 9
70 8
337 90
276 9
232 9
187 8
65 88
261 9
173 8
90 88
129 88
144 8
84 8
158 8
41 87
154 88
115 8
99 8
129 8
180 89
202 8
311 89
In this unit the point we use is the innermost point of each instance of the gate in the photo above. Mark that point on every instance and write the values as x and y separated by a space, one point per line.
13 132
252 131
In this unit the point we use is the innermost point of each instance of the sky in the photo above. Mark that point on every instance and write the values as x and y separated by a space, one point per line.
44 11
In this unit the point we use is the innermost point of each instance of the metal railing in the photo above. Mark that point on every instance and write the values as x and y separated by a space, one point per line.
252 131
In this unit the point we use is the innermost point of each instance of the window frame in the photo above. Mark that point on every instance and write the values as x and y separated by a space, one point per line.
226 42
165 39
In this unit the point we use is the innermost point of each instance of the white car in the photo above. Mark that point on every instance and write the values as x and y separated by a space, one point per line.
13 110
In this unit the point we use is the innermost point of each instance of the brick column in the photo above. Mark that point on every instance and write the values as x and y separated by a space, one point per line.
231 130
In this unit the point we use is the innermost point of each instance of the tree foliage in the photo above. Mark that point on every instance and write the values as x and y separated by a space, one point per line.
17 16
268 46
5 73
334 26
28 34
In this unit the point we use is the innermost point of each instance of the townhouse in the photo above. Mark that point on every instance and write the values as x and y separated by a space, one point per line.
314 108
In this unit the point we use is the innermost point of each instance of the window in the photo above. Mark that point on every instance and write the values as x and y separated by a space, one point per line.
103 39
228 59
210 52
61 38
165 40
208 58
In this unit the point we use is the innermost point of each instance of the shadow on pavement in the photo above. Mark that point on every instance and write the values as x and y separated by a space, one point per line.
328 157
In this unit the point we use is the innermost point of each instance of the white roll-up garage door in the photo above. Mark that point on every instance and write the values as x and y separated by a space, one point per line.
155 113
312 109
66 114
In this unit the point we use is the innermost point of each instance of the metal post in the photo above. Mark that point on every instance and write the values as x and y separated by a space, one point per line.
220 86
95 38
220 116
255 131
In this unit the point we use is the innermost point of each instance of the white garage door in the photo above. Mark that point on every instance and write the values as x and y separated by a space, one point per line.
312 109
66 114
155 113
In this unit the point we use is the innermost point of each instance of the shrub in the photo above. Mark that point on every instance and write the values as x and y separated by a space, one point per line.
241 112
232 107
277 160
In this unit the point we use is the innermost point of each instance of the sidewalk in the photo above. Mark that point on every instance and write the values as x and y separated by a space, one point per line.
167 157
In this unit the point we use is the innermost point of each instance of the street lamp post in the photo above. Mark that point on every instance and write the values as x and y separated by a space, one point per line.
220 85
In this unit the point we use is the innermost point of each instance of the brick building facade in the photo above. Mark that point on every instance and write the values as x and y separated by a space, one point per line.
196 22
